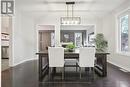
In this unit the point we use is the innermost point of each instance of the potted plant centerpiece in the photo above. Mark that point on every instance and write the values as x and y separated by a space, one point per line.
101 43
70 47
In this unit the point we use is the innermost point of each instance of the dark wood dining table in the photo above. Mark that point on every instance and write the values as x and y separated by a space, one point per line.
100 66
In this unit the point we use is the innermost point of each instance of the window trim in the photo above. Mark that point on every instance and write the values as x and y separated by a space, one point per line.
118 31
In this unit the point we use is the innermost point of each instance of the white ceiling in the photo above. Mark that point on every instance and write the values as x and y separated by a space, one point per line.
81 5
99 7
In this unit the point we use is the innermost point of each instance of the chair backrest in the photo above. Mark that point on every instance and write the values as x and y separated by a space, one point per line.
86 57
56 56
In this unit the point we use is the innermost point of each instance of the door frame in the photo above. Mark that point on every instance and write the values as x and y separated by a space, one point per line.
11 26
37 34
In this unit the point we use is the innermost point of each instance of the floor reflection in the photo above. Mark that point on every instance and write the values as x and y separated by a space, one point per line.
26 75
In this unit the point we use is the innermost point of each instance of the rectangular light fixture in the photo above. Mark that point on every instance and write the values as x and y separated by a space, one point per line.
70 20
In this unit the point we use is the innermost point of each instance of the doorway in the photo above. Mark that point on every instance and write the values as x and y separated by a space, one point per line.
79 35
46 37
6 27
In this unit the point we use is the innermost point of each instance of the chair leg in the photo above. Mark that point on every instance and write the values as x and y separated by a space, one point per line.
80 72
49 73
90 69
93 73
63 73
76 67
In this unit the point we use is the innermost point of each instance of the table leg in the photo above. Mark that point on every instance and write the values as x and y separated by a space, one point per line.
40 67
104 65
54 70
101 64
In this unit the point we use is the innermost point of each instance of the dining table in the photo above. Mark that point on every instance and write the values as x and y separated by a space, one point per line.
100 65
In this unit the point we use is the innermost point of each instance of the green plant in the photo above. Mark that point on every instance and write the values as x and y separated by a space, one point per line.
101 43
70 46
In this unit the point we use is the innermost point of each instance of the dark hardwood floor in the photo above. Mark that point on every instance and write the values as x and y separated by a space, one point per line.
26 75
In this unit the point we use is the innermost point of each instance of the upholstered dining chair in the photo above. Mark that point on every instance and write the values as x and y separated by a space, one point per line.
86 58
56 59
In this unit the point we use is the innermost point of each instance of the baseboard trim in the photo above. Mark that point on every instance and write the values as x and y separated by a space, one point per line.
22 62
118 65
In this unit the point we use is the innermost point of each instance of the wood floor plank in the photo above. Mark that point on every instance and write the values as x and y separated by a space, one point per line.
26 75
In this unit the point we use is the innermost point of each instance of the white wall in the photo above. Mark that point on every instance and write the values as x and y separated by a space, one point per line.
50 19
109 30
24 34
22 38
5 24
78 27
53 18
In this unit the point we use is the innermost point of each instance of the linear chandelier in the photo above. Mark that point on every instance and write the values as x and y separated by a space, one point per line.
70 19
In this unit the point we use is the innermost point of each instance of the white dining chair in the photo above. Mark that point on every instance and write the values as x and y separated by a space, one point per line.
56 58
86 58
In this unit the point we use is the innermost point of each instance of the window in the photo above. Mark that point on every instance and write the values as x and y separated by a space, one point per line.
78 39
123 39
124 44
91 37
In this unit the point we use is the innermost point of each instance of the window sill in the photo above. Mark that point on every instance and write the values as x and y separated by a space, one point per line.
124 53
